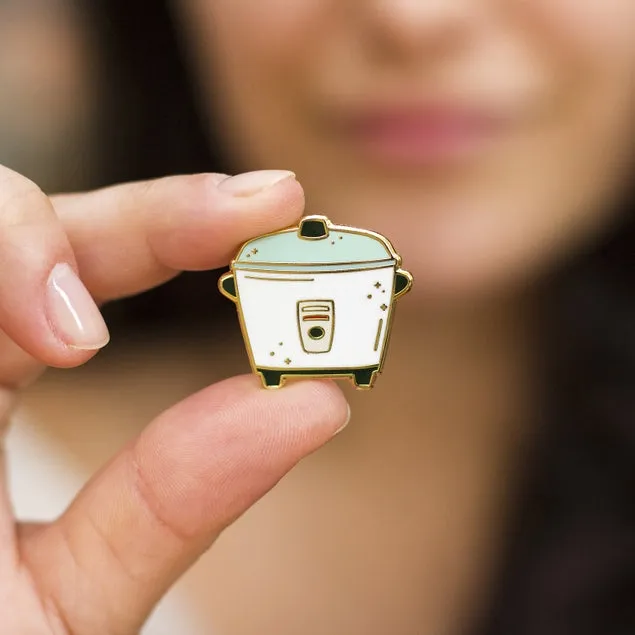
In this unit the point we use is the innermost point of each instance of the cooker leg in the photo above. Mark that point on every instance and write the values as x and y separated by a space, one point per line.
364 378
271 378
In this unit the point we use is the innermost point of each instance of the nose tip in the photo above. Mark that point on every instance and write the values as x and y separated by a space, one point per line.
415 25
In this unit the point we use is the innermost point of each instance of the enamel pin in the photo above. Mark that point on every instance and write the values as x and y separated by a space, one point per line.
316 300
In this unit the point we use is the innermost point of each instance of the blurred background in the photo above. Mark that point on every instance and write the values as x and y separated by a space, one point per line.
73 117
49 106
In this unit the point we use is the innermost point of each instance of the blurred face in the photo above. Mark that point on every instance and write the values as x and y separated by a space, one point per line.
485 138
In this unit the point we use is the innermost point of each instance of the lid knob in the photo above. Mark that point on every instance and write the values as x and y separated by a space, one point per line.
313 228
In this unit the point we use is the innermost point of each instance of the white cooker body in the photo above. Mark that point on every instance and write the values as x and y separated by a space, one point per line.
316 320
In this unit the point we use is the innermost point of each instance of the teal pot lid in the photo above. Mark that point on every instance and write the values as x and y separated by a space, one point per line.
317 242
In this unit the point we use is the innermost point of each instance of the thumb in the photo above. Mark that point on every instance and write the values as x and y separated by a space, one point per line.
147 516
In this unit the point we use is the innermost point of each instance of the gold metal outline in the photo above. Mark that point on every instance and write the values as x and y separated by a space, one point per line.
312 372
331 309
384 262
309 374
305 272
410 279
313 308
380 326
280 279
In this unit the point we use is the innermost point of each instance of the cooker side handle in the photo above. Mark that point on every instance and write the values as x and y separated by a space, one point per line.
403 282
227 286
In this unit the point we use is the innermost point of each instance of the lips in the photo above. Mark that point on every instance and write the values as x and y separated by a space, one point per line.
425 135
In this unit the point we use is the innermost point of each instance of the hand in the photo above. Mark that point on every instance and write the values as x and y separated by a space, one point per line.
147 515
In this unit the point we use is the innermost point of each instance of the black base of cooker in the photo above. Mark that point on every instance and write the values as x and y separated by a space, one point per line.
362 377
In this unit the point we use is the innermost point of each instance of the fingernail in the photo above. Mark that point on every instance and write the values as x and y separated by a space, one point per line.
251 183
348 418
72 312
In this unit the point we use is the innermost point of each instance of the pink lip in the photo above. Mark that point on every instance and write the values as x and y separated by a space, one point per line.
429 136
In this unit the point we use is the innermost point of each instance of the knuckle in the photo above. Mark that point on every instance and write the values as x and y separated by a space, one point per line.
208 185
56 620
201 190
188 192
150 499
79 565
143 189
22 202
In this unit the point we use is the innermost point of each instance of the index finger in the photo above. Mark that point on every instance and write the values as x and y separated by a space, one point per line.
122 240
130 238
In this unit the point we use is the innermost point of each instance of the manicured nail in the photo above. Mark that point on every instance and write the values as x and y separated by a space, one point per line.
348 418
72 312
251 183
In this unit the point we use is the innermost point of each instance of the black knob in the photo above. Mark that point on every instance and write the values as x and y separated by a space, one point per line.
313 228
316 333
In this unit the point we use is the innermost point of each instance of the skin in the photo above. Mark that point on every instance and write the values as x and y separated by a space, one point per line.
127 537
540 189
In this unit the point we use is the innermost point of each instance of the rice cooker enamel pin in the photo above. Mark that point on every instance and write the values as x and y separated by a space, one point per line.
316 300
